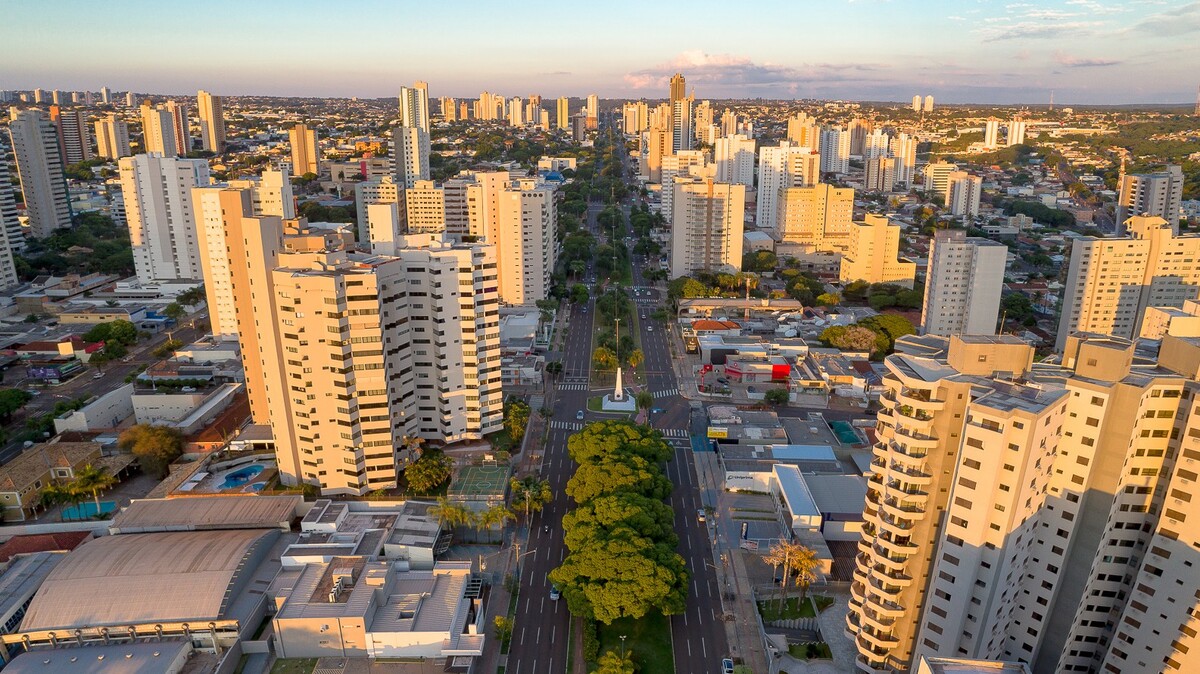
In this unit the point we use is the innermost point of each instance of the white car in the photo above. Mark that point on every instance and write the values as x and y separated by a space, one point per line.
649 328
554 593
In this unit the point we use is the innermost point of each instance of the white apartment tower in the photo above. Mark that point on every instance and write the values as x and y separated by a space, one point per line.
835 150
1016 131
1111 281
165 129
875 144
683 163
734 157
904 150
803 130
706 227
162 223
410 154
74 141
1159 193
991 134
211 110
425 208
963 284
635 118
414 106
40 168
786 165
112 137
524 230
916 103
880 174
962 194
11 239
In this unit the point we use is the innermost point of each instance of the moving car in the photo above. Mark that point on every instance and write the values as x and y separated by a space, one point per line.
97 375
555 594
649 328
700 515
727 666
579 415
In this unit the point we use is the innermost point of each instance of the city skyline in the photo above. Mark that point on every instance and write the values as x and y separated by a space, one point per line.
1084 51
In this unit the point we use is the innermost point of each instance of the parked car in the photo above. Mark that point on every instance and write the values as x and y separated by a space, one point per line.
727 666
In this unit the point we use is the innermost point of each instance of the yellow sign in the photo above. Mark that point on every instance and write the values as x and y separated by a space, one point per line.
717 433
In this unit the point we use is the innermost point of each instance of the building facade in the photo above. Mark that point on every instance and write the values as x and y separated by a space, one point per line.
40 167
707 226
211 110
159 211
963 284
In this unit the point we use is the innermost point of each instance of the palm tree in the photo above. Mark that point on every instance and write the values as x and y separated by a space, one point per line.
92 480
644 399
530 493
497 515
450 514
604 358
794 558
59 494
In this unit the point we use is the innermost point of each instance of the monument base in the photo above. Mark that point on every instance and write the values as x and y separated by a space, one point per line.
626 404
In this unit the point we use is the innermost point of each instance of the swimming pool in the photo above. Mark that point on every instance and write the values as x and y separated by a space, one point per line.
241 476
87 510
846 433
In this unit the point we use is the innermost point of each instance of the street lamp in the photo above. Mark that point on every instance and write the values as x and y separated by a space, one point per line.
624 653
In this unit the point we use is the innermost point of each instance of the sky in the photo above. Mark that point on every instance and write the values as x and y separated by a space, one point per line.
960 51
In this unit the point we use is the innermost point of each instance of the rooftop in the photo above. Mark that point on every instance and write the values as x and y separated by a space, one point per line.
30 543
125 658
33 464
207 512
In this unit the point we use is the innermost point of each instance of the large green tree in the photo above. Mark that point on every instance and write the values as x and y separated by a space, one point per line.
428 472
623 515
11 400
618 577
605 439
155 447
607 476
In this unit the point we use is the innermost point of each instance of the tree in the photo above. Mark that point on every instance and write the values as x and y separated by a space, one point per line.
530 494
622 577
795 559
154 446
516 419
494 516
450 513
1016 307
579 294
615 439
11 400
644 399
622 515
174 311
59 494
635 357
503 629
92 480
777 396
428 472
604 358
829 299
626 473
555 368
613 663
850 338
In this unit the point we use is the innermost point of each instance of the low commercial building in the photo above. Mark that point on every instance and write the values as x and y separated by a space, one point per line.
400 531
20 579
208 513
105 412
159 657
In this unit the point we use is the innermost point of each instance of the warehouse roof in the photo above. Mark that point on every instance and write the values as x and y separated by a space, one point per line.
142 578
207 512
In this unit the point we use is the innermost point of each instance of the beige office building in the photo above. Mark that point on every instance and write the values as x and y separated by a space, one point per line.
1111 281
112 137
159 210
305 151
707 226
963 284
211 110
40 167
818 217
873 254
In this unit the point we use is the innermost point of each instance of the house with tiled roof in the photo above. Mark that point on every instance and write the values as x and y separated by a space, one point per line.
23 478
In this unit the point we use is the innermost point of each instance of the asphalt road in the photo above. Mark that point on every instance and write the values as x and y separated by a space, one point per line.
540 634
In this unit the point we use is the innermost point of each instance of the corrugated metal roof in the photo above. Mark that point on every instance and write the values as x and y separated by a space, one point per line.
207 512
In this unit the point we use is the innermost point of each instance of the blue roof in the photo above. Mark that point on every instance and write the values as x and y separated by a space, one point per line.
803 452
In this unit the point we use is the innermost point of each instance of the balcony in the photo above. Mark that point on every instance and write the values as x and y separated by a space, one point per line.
894 509
912 412
919 398
868 641
888 584
893 563
912 475
877 623
887 608
895 548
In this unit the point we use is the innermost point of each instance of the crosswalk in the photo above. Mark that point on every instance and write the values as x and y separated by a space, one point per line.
573 387
566 425
674 432
664 394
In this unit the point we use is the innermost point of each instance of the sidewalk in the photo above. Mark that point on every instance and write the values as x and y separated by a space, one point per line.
497 604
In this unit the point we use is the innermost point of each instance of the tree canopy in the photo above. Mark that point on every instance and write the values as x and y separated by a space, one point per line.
605 439
154 446
428 472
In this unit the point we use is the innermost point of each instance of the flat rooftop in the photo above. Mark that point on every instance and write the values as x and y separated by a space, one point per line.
207 512
136 658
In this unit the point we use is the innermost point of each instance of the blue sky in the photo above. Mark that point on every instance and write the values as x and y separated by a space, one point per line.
1085 51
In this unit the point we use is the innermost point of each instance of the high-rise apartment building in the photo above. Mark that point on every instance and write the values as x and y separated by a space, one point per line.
859 129
681 125
106 96
379 190
785 165
904 150
734 157
112 137
162 222
305 151
817 217
211 110
655 145
963 284
937 178
678 87
410 154
1016 131
165 129
835 150
873 254
991 134
680 164
270 194
962 194
9 221
414 106
34 140
916 103
1111 281
449 108
562 115
1159 193
523 228
929 103
74 141
706 226
873 145
880 174
635 118
425 206
592 111
516 112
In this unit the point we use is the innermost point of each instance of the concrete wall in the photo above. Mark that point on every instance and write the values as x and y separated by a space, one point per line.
320 637
160 408
104 412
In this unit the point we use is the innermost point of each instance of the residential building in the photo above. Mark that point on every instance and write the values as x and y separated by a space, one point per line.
74 141
592 111
516 112
410 155
635 118
379 190
786 165
937 178
562 118
1111 281
880 174
835 150
112 137
212 121
817 217
962 194
916 103
904 149
963 284
305 151
24 476
1159 193
165 129
1016 131
859 128
734 157
929 103
683 163
873 254
414 106
681 125
991 134
523 227
706 226
384 226
158 208
425 208
10 222
40 167
270 194
449 108
874 144
802 130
